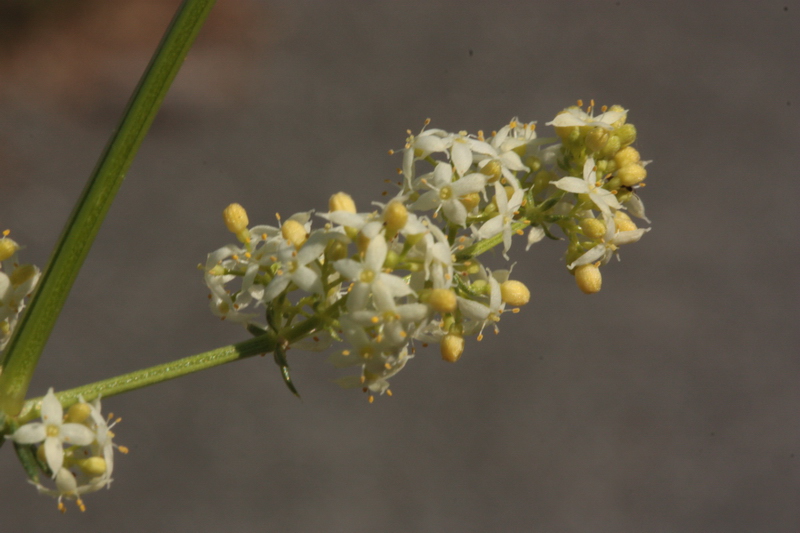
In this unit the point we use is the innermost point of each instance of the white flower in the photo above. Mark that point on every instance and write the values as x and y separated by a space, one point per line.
421 146
54 432
609 244
501 223
294 266
445 193
575 116
481 314
368 277
602 198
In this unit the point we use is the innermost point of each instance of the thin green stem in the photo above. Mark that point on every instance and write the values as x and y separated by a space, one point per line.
156 374
26 345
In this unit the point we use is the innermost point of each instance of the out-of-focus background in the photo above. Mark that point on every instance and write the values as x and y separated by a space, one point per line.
667 402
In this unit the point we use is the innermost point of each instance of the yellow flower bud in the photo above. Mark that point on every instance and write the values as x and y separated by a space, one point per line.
470 201
612 146
21 274
395 216
342 201
631 175
514 293
7 248
452 347
627 156
78 412
588 278
443 300
336 250
596 139
621 109
93 466
235 218
493 170
593 228
627 134
294 232
624 222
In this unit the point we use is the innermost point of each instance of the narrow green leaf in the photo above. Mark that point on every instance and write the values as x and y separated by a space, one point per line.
26 345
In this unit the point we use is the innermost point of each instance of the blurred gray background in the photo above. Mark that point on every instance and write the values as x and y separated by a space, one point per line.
667 402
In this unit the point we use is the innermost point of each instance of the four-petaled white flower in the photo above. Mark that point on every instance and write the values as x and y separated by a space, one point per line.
446 193
602 198
609 245
53 432
575 116
501 223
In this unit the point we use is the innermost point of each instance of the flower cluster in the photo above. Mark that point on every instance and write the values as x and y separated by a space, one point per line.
75 449
17 282
407 270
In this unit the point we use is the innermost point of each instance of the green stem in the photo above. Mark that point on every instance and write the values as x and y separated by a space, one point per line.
33 330
155 374
487 244
262 344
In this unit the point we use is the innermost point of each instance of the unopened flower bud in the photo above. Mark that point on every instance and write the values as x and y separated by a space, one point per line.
588 278
7 248
342 201
596 139
612 146
452 347
620 109
514 293
593 228
443 300
627 156
470 201
294 232
78 412
93 466
21 274
624 222
631 175
395 216
235 219
492 170
627 134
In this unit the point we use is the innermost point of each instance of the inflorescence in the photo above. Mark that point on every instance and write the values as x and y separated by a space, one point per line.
408 270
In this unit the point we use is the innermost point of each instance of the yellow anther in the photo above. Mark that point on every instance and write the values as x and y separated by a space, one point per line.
387 366
6 232
516 310
480 337
374 320
580 102
388 392
371 398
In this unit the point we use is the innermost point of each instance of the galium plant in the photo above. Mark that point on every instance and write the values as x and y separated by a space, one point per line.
376 283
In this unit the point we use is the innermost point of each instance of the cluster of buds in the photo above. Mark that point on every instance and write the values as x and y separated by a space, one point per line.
408 270
75 449
17 282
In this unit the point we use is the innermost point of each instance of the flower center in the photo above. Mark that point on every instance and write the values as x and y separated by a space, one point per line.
446 192
52 430
366 276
